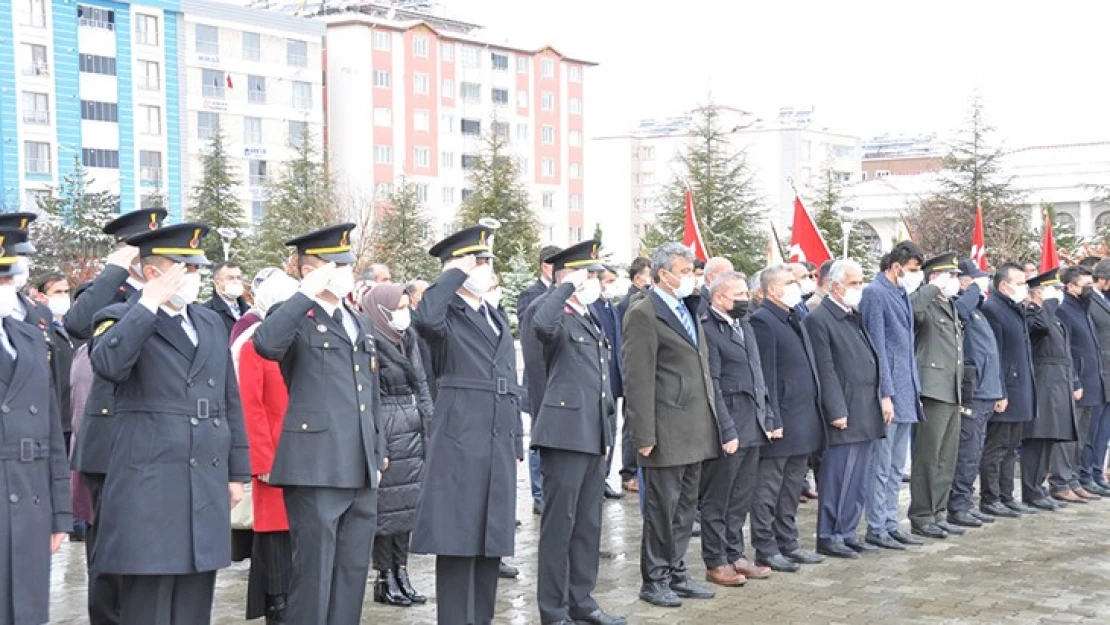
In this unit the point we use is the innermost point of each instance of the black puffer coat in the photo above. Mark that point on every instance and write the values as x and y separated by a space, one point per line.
406 406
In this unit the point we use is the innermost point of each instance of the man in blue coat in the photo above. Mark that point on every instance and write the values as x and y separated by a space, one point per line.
888 319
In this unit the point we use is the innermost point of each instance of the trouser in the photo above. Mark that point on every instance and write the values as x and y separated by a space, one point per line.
104 588
466 590
936 444
271 571
842 491
535 475
570 534
973 433
1035 456
333 533
1093 458
629 468
612 448
1065 463
725 498
670 500
996 475
888 461
777 490
391 551
167 599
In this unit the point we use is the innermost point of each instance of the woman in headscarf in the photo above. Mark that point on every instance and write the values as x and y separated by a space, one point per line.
406 405
264 398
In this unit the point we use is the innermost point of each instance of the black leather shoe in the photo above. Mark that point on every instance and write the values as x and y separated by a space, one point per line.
537 509
837 550
405 584
964 518
275 609
1044 503
689 589
999 510
779 564
860 546
659 594
952 529
612 493
598 617
982 516
388 592
905 538
929 530
884 541
1097 489
801 556
1019 507
507 571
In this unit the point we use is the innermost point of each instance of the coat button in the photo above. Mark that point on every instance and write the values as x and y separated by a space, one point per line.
496 431
192 462
603 395
33 409
103 411
356 367
189 383
215 422
360 388
211 382
562 403
36 501
193 421
355 349
113 341
326 345
304 426
5 409
215 462
362 407
14 498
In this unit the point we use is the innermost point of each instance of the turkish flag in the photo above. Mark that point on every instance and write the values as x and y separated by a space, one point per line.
691 233
978 247
1049 258
806 243
229 85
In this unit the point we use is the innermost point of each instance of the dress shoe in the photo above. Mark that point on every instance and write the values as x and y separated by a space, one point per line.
599 617
779 564
884 541
801 556
859 546
1044 503
998 510
507 571
837 550
405 584
689 589
964 518
537 509
929 530
982 516
275 609
1096 488
749 570
905 538
388 592
1103 486
632 485
951 528
1086 494
1068 496
612 493
809 493
1019 507
659 594
725 576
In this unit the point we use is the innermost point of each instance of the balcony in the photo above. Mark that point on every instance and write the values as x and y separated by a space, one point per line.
37 165
150 174
258 180
35 20
297 60
208 48
150 83
303 104
41 118
256 96
212 91
89 22
36 69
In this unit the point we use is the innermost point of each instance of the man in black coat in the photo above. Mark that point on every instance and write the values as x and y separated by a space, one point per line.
609 319
640 275
848 367
54 290
573 434
227 293
1095 454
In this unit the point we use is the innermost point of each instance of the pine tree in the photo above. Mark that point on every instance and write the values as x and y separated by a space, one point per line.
215 198
726 203
68 236
971 175
825 202
400 238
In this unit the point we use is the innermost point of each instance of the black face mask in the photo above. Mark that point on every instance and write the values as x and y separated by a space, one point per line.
739 308
1087 292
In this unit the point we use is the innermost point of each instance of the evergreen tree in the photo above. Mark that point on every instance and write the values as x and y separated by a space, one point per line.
400 238
825 203
68 235
1067 242
728 209
215 198
971 175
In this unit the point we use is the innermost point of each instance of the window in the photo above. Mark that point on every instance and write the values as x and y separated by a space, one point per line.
296 53
499 96
882 173
95 17
422 193
547 101
89 63
576 170
383 154
499 62
574 138
448 195
524 166
207 125
575 235
447 51
471 127
150 166
421 120
252 47
258 211
467 193
548 200
382 40
36 157
548 136
422 157
448 88
447 124
381 79
469 161
522 132
469 56
382 191
105 159
420 83
501 129
36 15
252 130
447 160
208 39
575 73
547 68
522 99
420 46
212 82
575 106
470 92
149 75
298 131
149 119
99 111
522 65
256 89
574 202
146 29
302 95
257 171
36 108
383 118
38 63
547 167
34 198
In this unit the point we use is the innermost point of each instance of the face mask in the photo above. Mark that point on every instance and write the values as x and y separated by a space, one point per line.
22 272
189 292
342 282
589 293
852 298
492 298
480 281
233 290
1087 292
739 308
1020 293
791 295
8 299
911 280
950 287
685 288
59 305
399 320
807 286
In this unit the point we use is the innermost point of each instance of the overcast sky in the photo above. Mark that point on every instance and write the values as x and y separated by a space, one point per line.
868 66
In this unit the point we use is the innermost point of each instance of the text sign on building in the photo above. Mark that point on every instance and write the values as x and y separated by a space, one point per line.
253 152
208 59
215 105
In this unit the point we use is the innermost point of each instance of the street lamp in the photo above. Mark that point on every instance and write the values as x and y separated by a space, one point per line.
847 218
227 235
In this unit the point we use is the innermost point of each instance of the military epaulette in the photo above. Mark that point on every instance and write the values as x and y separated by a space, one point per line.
103 327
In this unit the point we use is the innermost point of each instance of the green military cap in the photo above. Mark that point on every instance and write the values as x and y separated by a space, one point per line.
1048 278
941 263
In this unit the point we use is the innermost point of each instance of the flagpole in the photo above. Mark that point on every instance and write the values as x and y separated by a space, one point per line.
778 243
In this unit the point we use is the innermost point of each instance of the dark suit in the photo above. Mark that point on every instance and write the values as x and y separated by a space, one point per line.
1055 428
1087 368
848 367
178 440
728 481
794 389
609 319
535 378
1094 454
467 510
573 433
228 315
331 449
61 361
628 453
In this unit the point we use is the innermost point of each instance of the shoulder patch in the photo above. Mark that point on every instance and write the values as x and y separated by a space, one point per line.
103 327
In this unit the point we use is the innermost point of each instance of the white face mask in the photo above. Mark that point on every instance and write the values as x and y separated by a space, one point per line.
189 291
400 320
589 293
686 286
59 305
1021 292
480 280
1051 292
613 291
949 286
342 282
911 280
233 290
9 300
807 286
22 272
492 298
791 295
852 298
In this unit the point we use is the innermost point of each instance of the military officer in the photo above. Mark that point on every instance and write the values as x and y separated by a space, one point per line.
117 283
35 497
26 309
179 454
573 435
332 449
466 515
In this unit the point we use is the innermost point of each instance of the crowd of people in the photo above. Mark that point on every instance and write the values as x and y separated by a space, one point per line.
322 425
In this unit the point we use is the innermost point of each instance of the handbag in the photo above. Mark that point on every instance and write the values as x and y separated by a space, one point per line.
242 515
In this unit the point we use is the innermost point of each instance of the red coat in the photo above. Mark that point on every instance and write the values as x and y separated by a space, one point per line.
264 401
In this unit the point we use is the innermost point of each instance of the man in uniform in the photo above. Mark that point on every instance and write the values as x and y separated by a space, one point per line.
573 434
466 514
26 309
179 457
332 449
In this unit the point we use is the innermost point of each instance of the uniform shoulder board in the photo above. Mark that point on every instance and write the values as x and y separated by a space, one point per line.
103 327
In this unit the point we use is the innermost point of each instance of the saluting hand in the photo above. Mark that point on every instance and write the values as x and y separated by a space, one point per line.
577 278
162 289
123 258
235 492
465 264
56 542
316 281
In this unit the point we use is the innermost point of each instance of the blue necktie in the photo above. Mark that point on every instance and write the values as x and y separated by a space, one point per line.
687 322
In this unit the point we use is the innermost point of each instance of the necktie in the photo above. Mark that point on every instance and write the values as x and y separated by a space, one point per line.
489 318
687 322
738 330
